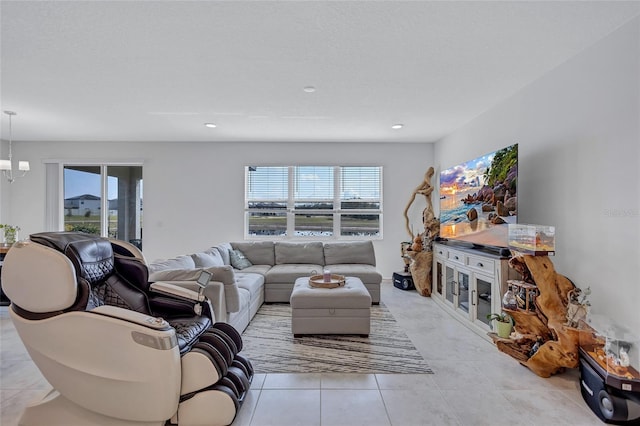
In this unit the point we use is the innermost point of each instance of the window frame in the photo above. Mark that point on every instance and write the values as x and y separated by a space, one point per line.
336 210
54 200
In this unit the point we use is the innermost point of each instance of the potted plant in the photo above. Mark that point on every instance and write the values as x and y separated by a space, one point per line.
10 234
503 323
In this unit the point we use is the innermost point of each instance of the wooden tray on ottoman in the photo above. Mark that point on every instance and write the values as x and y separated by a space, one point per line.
319 282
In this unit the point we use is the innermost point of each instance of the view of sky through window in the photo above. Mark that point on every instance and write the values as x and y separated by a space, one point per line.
79 183
313 182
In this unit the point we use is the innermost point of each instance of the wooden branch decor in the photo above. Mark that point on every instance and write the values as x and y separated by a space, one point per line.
421 262
557 343
420 251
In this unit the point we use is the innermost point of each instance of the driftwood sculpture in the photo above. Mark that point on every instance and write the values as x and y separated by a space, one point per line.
420 253
420 267
425 189
546 328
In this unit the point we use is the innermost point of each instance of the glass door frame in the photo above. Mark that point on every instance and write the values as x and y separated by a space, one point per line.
457 299
477 320
438 278
54 198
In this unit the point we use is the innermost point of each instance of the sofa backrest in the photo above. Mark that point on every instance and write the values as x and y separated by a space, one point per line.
223 249
276 253
349 252
297 253
208 258
258 252
179 262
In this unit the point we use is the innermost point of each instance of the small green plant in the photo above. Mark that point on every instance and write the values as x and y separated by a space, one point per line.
503 325
501 317
10 233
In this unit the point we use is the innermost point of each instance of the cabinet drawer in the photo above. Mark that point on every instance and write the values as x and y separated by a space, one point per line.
456 256
480 264
440 251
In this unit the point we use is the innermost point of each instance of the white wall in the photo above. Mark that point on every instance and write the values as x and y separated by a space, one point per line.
4 186
578 130
194 192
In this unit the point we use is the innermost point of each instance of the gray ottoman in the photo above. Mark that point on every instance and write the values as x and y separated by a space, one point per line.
341 310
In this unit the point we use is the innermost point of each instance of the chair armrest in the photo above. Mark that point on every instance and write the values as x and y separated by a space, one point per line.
224 274
178 291
223 300
214 292
132 316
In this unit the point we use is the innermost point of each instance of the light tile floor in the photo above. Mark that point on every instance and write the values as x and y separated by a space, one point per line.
473 384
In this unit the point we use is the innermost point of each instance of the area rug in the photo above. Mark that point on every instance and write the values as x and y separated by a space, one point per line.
271 347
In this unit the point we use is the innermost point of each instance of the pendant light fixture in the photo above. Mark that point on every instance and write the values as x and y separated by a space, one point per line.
6 165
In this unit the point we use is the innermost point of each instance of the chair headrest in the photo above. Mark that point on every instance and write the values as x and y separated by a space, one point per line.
92 255
126 249
38 279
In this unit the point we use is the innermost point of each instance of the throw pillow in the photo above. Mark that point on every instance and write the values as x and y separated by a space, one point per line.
239 260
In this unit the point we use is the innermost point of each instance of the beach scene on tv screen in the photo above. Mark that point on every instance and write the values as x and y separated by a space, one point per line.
478 198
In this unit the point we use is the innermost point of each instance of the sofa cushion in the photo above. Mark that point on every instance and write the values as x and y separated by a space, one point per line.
180 262
240 319
250 281
257 269
288 273
206 259
367 273
349 252
238 259
291 253
258 252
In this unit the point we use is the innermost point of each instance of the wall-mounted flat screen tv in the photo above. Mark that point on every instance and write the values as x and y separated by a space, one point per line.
478 199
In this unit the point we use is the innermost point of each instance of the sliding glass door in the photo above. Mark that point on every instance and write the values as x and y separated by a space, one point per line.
104 199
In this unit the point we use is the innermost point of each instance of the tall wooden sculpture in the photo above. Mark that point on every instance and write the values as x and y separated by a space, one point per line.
420 253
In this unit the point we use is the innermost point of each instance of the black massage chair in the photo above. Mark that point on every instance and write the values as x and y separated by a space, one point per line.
117 349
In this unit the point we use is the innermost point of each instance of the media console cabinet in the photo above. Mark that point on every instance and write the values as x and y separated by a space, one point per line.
470 283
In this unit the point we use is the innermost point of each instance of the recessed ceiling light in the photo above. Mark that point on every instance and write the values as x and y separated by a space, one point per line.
309 89
397 126
210 125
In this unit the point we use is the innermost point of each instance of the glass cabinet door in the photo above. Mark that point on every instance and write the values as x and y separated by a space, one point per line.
437 279
449 283
463 291
483 300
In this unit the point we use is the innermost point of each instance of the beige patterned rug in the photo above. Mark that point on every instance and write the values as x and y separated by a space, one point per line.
271 347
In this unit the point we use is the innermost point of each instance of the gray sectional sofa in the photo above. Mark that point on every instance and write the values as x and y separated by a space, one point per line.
249 273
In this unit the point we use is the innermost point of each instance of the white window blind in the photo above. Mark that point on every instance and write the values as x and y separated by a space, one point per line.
267 183
360 183
313 201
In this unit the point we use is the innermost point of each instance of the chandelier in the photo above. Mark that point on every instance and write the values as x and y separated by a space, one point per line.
6 165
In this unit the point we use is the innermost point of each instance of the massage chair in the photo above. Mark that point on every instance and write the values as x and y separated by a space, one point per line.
117 349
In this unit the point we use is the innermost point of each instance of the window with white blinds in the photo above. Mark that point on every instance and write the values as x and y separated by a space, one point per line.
313 201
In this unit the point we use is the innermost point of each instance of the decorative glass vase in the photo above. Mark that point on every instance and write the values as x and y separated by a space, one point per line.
10 236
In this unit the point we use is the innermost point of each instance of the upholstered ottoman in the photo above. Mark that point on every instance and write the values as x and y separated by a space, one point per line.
341 310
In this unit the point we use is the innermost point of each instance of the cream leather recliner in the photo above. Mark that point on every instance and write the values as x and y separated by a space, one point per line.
117 349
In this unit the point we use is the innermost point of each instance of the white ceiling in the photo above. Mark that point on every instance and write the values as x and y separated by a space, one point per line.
158 70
